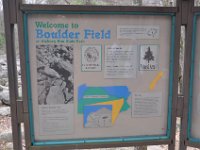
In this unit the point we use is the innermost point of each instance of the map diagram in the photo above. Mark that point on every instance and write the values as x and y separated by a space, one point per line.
101 106
99 116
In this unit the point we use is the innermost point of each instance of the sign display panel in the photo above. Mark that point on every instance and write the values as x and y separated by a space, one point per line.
194 101
99 76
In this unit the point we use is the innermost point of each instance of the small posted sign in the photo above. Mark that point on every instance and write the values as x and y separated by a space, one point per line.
149 58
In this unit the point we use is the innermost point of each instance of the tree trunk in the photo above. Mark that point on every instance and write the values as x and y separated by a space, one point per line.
88 2
140 2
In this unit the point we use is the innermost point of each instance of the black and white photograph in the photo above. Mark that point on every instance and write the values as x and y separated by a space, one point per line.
55 74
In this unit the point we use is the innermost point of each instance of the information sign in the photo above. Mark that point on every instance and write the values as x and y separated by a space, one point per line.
99 77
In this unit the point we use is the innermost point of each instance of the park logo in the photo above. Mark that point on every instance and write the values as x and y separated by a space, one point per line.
149 58
91 58
91 54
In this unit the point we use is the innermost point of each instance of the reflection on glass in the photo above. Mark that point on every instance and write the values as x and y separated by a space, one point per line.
105 2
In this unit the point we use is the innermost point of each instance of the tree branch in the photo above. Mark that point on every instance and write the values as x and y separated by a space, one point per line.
68 3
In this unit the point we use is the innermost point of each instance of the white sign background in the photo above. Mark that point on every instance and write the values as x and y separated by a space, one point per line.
133 126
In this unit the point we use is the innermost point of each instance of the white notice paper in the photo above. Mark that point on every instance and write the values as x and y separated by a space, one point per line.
146 105
56 119
138 32
120 61
91 58
149 57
